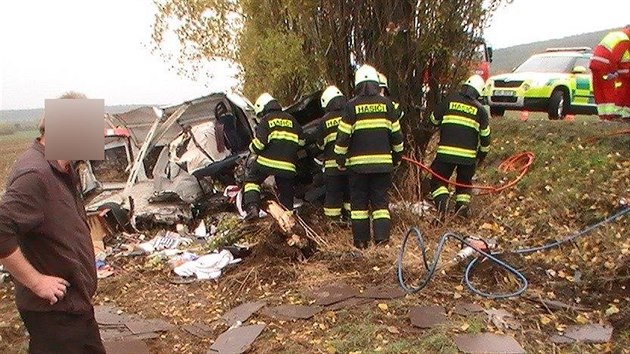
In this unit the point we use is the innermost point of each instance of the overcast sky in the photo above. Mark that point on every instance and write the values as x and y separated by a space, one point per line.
98 47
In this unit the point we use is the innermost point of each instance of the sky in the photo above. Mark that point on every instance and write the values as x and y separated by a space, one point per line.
100 47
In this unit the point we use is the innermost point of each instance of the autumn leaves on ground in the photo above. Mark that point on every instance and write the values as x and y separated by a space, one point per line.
575 181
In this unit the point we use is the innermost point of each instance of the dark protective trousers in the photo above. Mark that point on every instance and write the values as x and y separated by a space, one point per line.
255 176
369 190
439 189
337 195
56 332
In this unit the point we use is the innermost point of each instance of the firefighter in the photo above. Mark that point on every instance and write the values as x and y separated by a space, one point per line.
369 145
382 81
337 198
276 143
464 143
605 64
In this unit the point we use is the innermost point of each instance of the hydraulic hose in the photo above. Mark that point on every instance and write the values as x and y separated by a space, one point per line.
493 257
518 162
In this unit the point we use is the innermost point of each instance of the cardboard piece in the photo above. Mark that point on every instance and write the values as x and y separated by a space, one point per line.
133 346
589 333
467 308
427 316
291 312
351 302
242 312
383 293
148 326
333 293
198 330
484 343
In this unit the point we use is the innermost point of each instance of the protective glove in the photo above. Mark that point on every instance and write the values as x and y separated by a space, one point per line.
611 76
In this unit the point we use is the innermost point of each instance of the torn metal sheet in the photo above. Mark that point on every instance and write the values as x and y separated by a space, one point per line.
111 315
198 330
383 293
236 340
123 333
291 312
589 333
148 326
348 303
467 308
427 316
126 347
242 312
485 343
333 293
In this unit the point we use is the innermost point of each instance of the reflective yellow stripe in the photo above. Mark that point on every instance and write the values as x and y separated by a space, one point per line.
370 159
281 135
484 148
380 214
485 132
332 211
399 148
280 165
611 40
433 120
455 151
258 144
330 138
464 198
378 123
439 191
340 149
345 127
331 164
396 127
360 215
249 187
467 122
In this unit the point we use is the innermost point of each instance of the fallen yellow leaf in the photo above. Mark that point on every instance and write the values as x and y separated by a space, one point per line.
383 307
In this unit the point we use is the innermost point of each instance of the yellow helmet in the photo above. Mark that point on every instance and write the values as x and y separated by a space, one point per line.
476 82
365 73
329 93
261 102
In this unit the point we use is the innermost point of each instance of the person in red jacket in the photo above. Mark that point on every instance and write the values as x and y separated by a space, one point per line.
605 66
623 92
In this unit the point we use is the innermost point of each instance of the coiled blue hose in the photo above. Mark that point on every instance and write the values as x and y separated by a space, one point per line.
523 284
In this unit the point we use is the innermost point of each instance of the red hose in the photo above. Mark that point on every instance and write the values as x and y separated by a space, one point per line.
518 162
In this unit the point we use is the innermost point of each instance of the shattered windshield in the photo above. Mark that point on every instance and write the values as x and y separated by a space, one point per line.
547 64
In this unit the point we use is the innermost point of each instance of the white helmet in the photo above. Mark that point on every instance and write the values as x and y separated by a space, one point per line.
329 93
262 101
365 73
476 82
382 80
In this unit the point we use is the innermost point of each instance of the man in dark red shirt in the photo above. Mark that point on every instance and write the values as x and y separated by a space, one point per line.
45 244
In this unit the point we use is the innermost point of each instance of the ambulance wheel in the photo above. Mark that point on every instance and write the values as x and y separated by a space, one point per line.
497 111
558 105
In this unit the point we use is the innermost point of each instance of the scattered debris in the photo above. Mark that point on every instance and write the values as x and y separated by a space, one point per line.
427 316
3 275
207 267
418 208
589 333
198 330
348 303
467 309
132 346
484 343
383 293
330 294
242 312
114 324
291 312
556 305
236 340
502 319
164 240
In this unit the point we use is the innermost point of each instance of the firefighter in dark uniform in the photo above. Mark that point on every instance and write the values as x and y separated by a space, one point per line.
464 143
369 144
337 198
276 143
382 81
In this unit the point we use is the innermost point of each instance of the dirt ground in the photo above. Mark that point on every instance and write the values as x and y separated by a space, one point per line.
574 182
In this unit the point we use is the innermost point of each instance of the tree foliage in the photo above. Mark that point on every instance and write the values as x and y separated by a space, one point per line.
291 47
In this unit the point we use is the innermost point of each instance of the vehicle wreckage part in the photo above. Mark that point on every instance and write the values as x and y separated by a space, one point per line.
523 284
521 161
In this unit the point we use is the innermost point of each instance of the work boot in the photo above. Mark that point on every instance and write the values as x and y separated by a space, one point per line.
252 213
361 244
462 210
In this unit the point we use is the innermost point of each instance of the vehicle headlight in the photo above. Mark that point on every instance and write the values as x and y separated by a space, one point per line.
538 83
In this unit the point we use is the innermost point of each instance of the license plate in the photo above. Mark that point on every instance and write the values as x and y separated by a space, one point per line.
503 93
